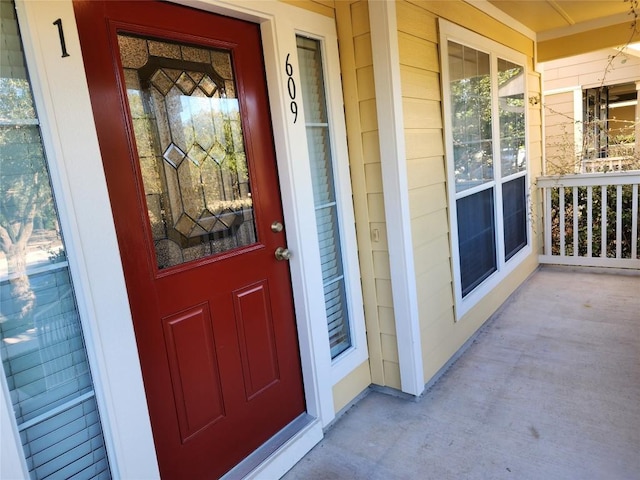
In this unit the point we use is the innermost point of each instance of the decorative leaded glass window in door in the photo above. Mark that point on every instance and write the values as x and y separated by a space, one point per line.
187 123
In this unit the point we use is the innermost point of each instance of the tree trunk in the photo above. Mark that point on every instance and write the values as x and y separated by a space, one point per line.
22 298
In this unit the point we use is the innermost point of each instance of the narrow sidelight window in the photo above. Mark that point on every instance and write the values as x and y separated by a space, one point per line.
324 194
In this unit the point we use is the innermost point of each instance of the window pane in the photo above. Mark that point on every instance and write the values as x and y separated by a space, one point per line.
319 145
335 303
511 105
470 90
186 120
476 239
41 343
514 210
609 127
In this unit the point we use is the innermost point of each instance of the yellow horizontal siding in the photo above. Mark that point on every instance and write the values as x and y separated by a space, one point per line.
368 117
421 113
417 22
376 207
383 289
381 264
425 172
392 374
419 83
559 133
387 320
535 135
417 52
370 146
535 152
429 255
436 358
363 53
436 333
390 348
323 7
424 144
439 304
351 386
426 228
438 277
366 85
428 199
359 18
466 15
373 176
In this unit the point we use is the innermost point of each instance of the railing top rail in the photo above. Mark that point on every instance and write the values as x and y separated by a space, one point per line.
629 177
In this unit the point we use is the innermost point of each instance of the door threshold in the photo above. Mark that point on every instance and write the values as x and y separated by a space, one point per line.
281 452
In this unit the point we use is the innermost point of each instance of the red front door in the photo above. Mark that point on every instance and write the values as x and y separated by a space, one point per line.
180 103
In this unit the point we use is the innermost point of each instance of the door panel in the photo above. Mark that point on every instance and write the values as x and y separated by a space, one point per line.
256 337
193 364
185 135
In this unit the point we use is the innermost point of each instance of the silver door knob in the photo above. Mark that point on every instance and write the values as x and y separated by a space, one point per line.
282 253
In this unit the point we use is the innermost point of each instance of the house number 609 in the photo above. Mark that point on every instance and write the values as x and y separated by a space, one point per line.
291 87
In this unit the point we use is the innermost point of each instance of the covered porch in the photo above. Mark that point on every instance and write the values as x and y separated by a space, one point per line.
548 388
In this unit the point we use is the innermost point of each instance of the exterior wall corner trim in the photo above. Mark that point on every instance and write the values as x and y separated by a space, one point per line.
386 67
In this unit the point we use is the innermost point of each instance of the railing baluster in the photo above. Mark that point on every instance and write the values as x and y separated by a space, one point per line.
561 213
575 221
589 221
634 221
603 222
619 221
548 249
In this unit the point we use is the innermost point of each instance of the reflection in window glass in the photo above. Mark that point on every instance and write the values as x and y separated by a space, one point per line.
41 342
187 123
511 116
490 199
470 87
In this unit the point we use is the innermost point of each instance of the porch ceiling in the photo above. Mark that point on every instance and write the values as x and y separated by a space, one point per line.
570 27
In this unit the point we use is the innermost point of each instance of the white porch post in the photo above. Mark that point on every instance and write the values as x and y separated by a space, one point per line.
386 69
637 118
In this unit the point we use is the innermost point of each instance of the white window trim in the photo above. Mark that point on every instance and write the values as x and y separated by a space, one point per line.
460 35
12 461
70 140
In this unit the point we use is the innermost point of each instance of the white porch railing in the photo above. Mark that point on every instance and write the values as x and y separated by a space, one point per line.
608 164
591 219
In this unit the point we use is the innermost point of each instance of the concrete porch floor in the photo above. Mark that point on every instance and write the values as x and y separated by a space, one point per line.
549 389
